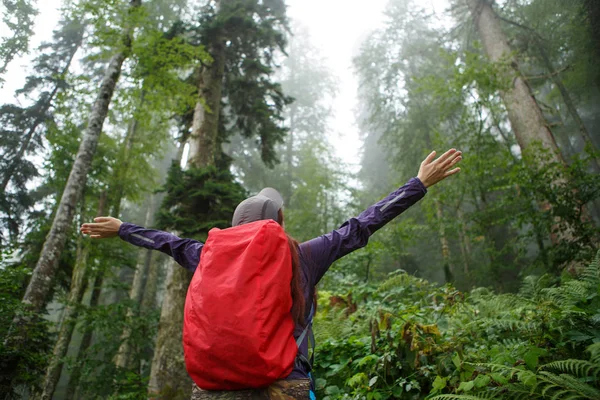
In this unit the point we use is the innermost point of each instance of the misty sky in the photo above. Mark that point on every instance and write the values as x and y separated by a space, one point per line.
336 28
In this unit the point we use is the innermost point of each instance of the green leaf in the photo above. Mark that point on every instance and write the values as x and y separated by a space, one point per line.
332 390
357 380
499 378
482 381
320 383
532 356
466 386
456 360
439 383
372 381
528 378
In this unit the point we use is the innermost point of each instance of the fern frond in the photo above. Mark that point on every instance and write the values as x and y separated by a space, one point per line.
579 368
509 324
478 396
514 342
594 350
591 274
532 286
568 383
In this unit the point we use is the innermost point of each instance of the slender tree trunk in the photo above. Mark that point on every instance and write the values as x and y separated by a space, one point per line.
73 385
290 157
524 112
448 268
70 314
168 377
585 135
114 209
43 274
136 293
150 290
465 243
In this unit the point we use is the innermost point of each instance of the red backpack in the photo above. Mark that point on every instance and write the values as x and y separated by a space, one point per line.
238 327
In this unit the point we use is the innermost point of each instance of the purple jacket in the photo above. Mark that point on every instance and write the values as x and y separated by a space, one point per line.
316 255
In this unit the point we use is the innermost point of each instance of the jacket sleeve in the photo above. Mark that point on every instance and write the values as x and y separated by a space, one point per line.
186 252
322 251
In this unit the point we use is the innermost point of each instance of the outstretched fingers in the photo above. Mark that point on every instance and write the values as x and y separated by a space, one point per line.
447 155
429 158
451 172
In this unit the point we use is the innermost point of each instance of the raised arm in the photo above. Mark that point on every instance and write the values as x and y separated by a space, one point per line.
322 251
186 252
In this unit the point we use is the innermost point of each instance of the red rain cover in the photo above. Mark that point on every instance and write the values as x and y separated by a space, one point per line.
238 328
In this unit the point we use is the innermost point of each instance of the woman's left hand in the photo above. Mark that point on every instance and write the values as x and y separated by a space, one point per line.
432 172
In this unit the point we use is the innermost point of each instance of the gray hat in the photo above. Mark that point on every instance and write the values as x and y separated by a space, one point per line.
273 195
255 208
265 205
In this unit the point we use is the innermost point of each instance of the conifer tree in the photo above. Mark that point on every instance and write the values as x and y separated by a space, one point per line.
23 128
241 38
18 17
40 284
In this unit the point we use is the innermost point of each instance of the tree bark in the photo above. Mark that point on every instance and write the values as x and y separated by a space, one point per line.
136 293
585 135
465 243
43 274
73 385
448 269
70 315
203 140
524 112
168 378
150 290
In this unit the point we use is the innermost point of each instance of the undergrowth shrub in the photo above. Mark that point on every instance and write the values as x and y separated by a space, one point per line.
410 339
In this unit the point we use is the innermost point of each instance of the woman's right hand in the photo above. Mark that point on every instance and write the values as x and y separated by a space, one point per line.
431 172
102 228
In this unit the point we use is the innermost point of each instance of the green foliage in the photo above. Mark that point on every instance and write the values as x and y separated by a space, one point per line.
18 17
99 375
199 199
28 363
408 339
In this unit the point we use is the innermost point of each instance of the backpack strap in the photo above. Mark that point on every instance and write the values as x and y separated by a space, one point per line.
300 358
307 328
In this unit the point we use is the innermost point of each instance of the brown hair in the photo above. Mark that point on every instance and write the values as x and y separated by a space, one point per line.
298 305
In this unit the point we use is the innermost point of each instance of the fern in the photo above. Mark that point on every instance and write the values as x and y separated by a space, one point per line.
594 350
591 274
565 384
477 396
579 368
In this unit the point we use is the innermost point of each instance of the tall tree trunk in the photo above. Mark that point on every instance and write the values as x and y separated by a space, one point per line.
465 243
151 287
168 377
136 293
43 274
448 268
72 391
70 314
114 208
585 135
524 112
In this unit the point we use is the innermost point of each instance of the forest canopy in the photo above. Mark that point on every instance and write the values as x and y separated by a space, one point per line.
168 113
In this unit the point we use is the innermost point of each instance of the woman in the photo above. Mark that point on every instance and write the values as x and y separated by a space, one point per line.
315 256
